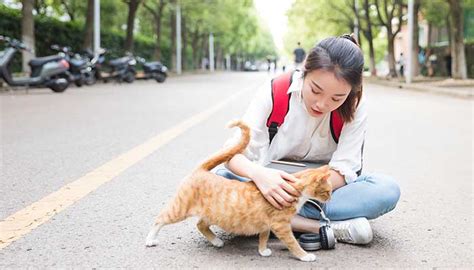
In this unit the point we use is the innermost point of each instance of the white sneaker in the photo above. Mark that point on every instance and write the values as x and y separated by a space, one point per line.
353 231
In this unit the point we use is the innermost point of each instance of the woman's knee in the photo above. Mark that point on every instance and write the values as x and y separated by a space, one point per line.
229 175
391 191
388 194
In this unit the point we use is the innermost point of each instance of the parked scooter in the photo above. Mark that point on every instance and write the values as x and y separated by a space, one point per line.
120 69
151 70
80 67
49 71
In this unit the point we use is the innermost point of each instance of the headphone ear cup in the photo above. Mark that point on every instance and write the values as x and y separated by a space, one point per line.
324 237
328 240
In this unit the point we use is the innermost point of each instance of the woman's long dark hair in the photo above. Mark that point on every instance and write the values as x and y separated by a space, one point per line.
342 56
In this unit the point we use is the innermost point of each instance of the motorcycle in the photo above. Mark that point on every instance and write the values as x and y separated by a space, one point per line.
151 70
80 67
120 69
48 71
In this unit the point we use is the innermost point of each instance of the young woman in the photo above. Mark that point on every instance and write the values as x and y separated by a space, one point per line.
330 80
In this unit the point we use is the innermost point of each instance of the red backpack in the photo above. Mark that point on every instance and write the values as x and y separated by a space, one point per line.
281 105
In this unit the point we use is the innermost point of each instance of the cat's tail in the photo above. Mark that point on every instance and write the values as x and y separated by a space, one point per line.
229 153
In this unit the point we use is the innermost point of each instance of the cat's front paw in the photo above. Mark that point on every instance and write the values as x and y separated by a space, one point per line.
308 258
217 242
266 252
151 242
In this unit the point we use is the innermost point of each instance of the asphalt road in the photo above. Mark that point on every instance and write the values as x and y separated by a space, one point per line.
49 140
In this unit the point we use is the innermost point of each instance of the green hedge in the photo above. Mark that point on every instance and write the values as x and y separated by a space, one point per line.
50 31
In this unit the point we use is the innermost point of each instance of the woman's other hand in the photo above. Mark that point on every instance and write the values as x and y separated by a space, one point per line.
274 186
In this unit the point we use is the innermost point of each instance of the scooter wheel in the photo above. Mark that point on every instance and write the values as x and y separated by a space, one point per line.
129 77
58 88
79 83
160 77
59 83
91 80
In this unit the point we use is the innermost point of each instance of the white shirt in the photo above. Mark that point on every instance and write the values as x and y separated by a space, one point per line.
302 137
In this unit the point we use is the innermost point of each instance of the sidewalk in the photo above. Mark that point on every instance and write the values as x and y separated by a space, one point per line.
441 86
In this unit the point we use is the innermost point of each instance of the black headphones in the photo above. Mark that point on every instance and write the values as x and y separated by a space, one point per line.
324 240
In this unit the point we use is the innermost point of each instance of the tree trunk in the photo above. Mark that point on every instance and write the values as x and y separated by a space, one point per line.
219 57
458 65
204 50
194 47
373 68
396 7
391 56
89 26
27 33
370 39
158 39
415 47
184 34
430 33
132 10
449 29
158 17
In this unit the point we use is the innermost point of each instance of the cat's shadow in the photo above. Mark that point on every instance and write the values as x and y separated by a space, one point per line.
246 244
249 244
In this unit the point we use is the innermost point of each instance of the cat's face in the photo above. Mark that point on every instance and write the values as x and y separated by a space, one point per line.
319 187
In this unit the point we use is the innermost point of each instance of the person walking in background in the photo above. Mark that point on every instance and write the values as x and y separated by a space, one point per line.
299 56
269 63
431 63
422 61
401 62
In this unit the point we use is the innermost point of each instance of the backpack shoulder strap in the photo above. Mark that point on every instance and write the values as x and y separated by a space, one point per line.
336 125
281 102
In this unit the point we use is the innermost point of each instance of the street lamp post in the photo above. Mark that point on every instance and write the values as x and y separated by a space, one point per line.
96 26
211 52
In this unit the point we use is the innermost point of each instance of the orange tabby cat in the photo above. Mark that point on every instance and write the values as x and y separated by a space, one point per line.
239 207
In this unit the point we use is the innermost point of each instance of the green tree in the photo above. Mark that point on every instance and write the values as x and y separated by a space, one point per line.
369 34
132 10
156 10
387 11
312 20
89 26
456 20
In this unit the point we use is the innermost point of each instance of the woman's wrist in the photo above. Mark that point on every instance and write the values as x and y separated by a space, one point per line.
242 166
253 170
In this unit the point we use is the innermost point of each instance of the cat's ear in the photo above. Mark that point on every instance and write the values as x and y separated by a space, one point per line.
324 168
324 173
325 176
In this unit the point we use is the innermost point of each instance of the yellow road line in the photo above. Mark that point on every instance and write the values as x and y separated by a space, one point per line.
25 220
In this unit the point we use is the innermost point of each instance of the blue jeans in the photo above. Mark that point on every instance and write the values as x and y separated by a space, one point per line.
369 196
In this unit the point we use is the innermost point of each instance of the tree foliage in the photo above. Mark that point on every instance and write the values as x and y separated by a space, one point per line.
235 25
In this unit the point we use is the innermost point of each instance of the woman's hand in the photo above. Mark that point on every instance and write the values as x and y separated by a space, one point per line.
274 186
